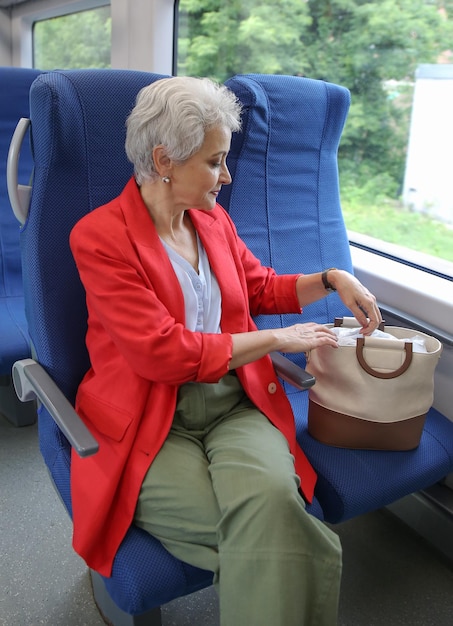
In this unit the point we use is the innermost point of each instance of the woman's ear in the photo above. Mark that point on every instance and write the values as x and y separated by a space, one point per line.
162 162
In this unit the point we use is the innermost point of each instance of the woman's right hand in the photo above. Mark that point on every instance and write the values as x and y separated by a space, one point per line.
248 347
305 337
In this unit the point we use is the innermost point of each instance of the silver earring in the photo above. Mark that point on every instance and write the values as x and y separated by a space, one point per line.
165 179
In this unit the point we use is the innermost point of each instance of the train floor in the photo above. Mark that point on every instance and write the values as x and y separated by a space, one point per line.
391 576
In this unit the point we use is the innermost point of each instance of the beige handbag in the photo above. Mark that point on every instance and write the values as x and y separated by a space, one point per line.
374 394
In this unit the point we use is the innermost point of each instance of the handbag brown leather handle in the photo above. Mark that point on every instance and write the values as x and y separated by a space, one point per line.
369 370
352 322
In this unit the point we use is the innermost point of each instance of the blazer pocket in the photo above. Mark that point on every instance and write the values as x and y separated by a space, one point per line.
105 418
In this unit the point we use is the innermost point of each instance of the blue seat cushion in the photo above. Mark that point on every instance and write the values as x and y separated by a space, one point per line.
353 482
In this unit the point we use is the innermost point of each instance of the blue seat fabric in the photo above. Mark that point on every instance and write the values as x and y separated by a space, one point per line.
285 203
14 342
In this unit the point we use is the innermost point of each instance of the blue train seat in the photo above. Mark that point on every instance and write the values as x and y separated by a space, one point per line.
285 202
14 342
78 132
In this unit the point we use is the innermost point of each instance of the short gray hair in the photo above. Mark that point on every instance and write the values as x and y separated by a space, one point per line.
176 113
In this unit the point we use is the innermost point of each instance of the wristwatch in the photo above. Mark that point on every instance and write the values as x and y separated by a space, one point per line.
325 281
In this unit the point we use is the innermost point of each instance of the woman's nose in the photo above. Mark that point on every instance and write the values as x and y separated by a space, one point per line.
225 176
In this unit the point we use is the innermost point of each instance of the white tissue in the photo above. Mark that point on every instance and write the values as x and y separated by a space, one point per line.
349 336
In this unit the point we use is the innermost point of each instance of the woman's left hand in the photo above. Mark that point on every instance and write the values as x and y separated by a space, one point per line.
360 301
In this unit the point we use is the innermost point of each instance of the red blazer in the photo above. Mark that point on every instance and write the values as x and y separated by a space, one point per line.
141 352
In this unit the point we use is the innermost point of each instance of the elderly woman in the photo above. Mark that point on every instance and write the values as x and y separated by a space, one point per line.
197 438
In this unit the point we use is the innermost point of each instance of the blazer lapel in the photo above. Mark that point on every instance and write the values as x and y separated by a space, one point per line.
220 255
153 258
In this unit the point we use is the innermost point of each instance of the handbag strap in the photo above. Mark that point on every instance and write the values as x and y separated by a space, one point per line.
364 365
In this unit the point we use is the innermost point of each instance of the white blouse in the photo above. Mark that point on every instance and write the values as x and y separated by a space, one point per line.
202 298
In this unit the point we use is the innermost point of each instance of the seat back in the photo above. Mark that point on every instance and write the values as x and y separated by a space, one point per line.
284 198
78 132
14 343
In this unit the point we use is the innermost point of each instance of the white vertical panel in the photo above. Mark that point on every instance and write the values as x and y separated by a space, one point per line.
5 38
142 35
429 166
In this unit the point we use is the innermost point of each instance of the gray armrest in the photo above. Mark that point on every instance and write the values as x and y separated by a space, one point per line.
32 381
292 373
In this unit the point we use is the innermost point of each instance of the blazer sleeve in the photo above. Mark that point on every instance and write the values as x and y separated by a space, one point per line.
268 292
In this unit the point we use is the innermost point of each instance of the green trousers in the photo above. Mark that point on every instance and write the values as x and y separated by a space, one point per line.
222 494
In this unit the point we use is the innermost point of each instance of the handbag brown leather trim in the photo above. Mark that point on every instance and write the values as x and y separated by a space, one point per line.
387 375
345 431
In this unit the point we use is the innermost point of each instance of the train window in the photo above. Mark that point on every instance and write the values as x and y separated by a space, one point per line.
76 40
395 56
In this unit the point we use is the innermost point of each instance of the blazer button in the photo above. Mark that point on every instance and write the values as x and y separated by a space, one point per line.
272 387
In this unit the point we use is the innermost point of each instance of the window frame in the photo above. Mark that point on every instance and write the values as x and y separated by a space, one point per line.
25 16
